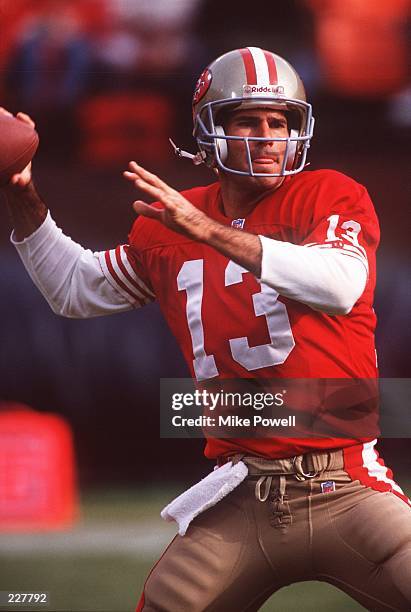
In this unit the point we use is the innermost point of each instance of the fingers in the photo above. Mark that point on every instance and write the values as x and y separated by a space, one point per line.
22 116
26 119
143 173
4 111
154 192
148 182
141 208
131 176
22 179
18 181
154 187
148 177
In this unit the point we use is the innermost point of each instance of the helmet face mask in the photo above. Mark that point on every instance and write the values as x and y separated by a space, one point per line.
225 86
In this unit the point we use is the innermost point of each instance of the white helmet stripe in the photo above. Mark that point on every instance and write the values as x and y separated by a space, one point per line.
261 67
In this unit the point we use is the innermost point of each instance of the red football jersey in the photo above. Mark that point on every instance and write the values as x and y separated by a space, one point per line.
228 325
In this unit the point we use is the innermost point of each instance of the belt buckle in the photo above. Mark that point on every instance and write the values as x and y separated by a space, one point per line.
300 474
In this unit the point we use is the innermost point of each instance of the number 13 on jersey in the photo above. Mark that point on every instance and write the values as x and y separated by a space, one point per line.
191 279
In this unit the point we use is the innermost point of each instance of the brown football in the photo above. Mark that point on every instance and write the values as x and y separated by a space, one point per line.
18 144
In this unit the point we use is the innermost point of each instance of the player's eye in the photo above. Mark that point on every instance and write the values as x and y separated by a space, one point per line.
278 124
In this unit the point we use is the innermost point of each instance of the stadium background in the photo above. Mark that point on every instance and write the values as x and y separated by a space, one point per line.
110 80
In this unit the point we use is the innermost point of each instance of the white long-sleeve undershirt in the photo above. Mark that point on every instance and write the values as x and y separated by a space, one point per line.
69 276
74 284
327 279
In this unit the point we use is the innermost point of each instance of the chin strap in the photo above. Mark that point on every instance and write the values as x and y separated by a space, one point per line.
197 159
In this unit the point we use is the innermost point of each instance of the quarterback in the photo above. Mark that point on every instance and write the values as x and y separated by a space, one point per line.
284 259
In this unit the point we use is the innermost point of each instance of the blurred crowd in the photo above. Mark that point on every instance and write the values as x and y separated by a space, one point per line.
104 78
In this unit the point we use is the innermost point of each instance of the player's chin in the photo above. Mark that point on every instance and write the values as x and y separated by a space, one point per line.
264 171
265 174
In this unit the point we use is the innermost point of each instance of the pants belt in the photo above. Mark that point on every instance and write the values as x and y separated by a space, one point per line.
304 466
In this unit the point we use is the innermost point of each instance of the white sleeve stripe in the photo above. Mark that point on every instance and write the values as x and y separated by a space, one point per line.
354 252
121 288
345 250
345 247
121 278
123 270
353 247
131 272
348 247
361 254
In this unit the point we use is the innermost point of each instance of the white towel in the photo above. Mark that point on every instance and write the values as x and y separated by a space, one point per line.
206 493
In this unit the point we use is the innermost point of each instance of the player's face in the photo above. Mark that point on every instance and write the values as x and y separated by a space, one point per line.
267 157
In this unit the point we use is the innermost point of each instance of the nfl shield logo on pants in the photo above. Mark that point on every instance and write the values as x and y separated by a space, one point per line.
328 486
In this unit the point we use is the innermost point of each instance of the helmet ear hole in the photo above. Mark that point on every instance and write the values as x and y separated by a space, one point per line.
292 150
221 143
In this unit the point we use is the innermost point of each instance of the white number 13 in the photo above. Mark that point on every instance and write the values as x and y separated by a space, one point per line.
191 279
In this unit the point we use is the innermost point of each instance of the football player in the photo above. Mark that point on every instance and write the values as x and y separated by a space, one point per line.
285 259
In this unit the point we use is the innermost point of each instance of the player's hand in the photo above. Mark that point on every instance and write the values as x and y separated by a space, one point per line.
23 178
178 213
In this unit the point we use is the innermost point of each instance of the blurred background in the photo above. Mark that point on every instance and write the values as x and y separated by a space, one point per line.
111 80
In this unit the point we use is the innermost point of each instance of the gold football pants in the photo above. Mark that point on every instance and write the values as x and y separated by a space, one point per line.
279 527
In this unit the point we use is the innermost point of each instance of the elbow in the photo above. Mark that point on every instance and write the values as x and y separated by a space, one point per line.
348 290
55 307
343 309
339 306
62 311
336 304
341 299
65 309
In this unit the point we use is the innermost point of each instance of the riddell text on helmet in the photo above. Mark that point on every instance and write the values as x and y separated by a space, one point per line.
249 90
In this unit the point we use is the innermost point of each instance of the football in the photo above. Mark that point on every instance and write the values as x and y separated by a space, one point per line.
18 144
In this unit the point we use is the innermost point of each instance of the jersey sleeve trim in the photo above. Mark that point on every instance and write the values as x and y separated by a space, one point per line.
128 271
357 252
120 274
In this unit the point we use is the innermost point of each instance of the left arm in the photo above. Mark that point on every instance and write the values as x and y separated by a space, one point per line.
181 216
323 279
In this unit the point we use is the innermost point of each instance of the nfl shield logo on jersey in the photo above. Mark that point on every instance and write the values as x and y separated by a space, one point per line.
238 223
328 486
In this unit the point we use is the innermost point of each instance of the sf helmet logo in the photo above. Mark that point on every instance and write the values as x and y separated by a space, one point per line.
250 90
202 86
